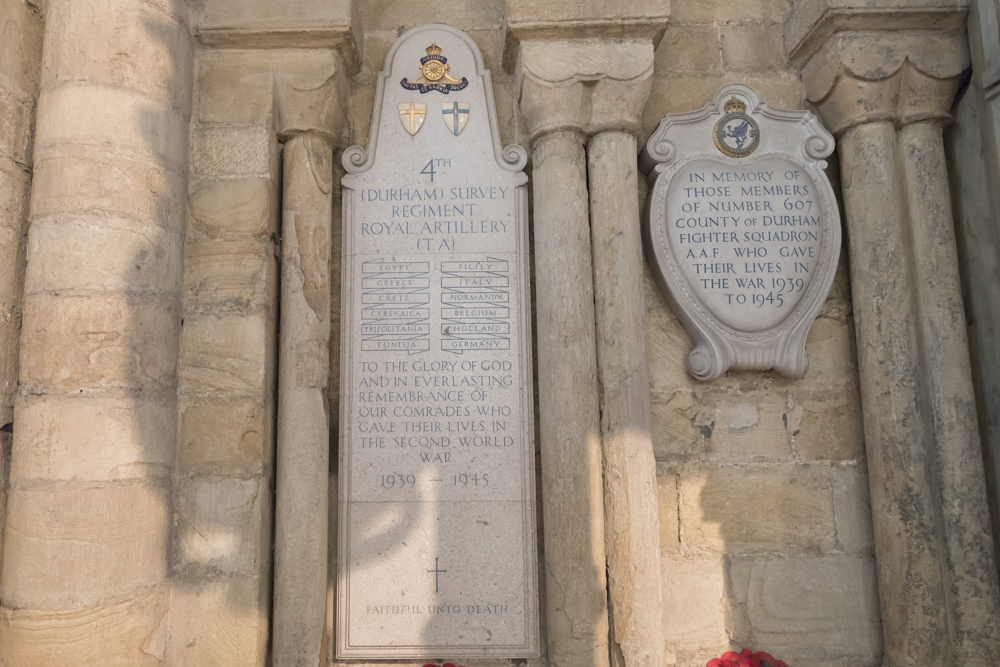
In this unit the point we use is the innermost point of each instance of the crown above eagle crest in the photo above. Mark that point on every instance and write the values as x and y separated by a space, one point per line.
735 105
434 50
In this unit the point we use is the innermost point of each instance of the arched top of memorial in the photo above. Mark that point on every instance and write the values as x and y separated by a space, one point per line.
796 133
427 68
742 229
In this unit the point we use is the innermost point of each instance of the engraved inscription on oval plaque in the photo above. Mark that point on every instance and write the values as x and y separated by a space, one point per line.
742 230
437 553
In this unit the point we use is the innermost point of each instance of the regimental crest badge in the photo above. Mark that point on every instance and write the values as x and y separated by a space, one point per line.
736 133
456 115
412 116
435 74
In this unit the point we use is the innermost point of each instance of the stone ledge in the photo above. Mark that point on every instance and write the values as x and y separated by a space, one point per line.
630 28
812 22
261 24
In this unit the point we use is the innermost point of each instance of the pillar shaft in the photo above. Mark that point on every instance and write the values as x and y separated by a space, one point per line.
570 434
907 542
85 568
303 431
19 85
950 395
630 502
889 93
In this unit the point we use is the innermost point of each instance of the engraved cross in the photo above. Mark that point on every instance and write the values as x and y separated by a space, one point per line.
437 573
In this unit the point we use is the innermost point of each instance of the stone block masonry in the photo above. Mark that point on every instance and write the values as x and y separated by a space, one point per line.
90 506
142 182
20 52
223 500
760 479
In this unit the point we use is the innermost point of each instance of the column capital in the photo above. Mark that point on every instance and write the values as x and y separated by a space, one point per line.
541 20
811 23
900 76
312 104
584 85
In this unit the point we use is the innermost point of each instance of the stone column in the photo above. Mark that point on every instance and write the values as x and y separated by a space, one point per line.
310 120
570 431
944 341
19 71
303 430
85 564
887 96
605 100
630 500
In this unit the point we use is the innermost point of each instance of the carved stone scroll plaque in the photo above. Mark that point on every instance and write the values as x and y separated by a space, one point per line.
437 536
742 230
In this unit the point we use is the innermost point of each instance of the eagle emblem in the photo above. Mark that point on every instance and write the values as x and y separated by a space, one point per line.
435 74
736 133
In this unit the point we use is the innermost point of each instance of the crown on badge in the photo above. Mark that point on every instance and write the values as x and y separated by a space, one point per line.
735 105
434 50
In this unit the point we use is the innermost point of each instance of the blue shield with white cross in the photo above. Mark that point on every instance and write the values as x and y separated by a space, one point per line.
456 115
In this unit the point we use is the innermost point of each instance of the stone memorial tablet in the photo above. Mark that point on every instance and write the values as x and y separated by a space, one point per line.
437 552
742 230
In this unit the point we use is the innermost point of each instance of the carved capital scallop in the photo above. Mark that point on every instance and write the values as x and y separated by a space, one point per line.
899 76
585 85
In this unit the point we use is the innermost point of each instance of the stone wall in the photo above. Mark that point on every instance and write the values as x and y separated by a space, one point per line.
89 511
150 402
764 514
762 483
20 55
221 556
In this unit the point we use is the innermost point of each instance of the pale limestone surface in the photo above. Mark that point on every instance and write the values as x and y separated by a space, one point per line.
745 246
541 21
20 51
970 146
90 504
811 23
226 439
913 349
437 447
569 436
630 504
725 584
318 25
571 88
303 455
586 85
310 118
770 428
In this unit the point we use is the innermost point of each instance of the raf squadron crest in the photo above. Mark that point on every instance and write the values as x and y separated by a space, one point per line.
435 74
736 134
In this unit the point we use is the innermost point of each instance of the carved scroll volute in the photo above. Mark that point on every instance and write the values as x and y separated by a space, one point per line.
742 230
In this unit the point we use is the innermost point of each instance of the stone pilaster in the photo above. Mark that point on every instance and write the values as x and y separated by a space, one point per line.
311 122
85 578
887 95
571 89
